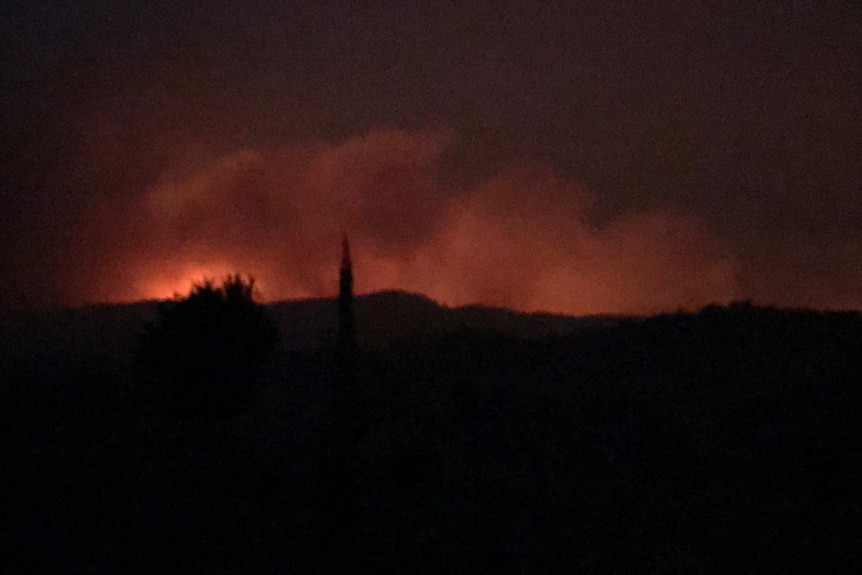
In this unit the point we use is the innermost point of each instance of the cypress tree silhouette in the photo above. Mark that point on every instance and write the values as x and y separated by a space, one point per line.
348 410
346 317
347 414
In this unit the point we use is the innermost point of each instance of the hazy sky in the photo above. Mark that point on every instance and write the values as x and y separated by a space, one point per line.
568 156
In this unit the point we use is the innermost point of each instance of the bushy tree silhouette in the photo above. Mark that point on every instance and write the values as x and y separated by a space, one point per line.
209 347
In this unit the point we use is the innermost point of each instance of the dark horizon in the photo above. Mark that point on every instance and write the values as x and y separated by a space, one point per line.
686 443
395 292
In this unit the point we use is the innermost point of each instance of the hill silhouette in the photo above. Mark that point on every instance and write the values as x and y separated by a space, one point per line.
109 330
386 317
490 441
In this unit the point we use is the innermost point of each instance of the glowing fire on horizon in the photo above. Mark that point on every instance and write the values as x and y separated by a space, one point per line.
178 281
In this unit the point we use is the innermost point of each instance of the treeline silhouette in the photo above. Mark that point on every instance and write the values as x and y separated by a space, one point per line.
721 441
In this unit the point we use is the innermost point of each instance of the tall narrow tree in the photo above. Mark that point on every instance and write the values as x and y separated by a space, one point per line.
347 414
346 317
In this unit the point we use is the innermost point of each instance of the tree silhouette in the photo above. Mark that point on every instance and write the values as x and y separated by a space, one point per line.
209 348
346 315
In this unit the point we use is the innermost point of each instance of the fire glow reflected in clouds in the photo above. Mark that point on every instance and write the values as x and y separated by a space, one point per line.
521 239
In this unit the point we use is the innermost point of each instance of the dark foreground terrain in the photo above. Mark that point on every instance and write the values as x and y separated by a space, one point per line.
726 441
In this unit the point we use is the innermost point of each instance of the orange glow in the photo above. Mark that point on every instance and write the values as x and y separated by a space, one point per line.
521 239
178 280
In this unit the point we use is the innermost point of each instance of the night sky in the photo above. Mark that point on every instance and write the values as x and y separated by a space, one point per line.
577 157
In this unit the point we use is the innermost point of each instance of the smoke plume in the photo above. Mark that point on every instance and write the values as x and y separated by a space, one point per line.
522 238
